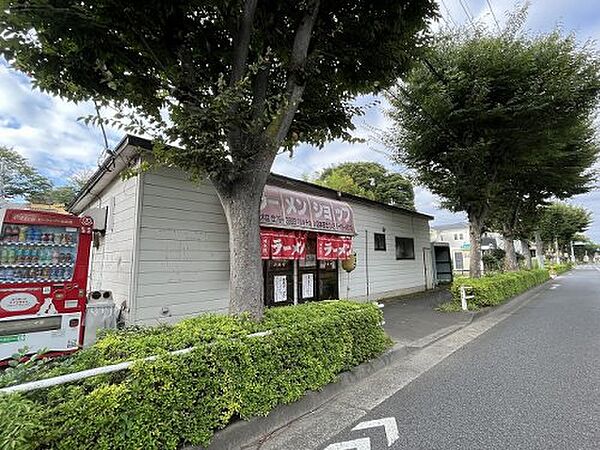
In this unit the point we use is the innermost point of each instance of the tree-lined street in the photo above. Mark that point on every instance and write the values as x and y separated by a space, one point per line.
532 381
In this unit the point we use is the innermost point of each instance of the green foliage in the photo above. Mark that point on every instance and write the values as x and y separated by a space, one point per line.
182 399
223 87
491 290
20 419
370 180
558 269
18 178
22 367
563 221
499 123
493 260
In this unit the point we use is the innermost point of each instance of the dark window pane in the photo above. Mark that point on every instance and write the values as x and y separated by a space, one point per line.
380 241
405 248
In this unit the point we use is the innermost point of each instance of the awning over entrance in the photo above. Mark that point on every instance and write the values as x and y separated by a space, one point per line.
282 208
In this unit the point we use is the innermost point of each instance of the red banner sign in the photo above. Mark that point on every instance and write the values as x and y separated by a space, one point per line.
282 208
276 244
333 247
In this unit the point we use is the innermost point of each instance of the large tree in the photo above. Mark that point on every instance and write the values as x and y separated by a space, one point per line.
371 180
485 113
238 80
18 178
560 223
560 168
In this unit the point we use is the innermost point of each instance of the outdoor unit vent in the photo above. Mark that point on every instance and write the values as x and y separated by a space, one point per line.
99 215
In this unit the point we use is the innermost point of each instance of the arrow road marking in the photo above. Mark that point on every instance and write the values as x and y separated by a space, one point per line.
356 444
389 425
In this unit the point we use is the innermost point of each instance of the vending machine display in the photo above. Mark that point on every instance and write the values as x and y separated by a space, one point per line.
43 281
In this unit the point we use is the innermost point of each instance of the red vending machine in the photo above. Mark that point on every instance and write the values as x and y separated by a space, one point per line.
44 259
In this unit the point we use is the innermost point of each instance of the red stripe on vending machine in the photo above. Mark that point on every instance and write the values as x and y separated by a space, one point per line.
44 261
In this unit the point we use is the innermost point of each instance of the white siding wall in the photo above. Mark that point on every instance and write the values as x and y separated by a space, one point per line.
183 249
184 253
387 276
111 264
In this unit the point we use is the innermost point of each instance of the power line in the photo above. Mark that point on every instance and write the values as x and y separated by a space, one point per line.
489 3
448 12
467 12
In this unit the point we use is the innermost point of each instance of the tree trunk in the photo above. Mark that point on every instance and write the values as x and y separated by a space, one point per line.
241 203
510 256
526 254
539 249
557 248
475 229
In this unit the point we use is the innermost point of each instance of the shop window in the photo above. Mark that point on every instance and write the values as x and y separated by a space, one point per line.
380 242
405 248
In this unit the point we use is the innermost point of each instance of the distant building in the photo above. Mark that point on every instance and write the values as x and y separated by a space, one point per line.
457 236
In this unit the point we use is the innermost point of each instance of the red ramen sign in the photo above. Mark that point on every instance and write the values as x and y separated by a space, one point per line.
282 208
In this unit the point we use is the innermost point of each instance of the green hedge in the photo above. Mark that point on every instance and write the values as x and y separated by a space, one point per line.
560 268
183 399
494 289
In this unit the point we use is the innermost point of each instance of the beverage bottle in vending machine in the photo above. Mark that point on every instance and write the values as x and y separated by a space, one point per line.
22 234
12 257
55 256
43 255
29 233
35 255
4 255
18 256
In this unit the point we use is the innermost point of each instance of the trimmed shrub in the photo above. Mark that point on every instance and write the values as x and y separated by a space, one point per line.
558 269
494 289
178 400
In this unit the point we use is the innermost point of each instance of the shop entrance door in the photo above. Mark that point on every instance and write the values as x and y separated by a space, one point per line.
307 274
328 280
279 282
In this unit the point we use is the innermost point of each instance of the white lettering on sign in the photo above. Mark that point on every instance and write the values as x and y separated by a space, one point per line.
21 301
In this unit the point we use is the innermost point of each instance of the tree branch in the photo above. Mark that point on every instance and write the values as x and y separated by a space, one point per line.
296 82
241 42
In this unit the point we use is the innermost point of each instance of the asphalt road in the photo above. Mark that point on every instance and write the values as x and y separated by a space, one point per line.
532 381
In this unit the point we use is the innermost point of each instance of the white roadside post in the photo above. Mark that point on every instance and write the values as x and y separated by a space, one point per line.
464 297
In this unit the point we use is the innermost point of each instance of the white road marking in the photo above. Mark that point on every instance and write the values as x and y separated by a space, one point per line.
356 444
389 426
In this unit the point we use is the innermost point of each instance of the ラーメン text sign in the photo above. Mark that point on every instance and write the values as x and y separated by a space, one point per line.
282 208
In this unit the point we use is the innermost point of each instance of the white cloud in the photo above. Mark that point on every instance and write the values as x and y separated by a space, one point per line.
45 129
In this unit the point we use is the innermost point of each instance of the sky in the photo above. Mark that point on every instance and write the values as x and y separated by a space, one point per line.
46 129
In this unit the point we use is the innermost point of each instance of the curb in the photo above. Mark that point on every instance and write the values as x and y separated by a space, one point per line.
247 433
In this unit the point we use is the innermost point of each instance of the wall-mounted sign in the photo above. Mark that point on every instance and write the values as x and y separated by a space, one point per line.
280 288
282 208
282 244
308 285
331 247
466 246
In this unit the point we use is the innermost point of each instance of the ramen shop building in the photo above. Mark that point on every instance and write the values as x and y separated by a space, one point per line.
163 248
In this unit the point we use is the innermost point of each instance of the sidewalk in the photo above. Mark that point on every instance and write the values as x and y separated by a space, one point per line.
411 320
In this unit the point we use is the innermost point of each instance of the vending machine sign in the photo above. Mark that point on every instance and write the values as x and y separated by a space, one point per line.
44 260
